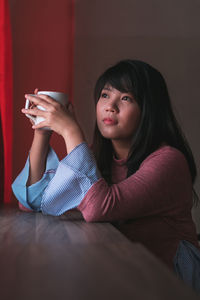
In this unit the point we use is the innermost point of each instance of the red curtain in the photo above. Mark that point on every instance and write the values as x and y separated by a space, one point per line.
5 101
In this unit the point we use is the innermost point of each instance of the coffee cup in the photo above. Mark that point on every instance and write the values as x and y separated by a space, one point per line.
57 96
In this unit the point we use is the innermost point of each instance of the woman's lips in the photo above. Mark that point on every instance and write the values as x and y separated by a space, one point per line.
109 121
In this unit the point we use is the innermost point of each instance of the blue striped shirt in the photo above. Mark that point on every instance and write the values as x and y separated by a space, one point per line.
63 185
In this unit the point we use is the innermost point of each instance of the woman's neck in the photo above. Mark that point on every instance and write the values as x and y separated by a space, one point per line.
121 148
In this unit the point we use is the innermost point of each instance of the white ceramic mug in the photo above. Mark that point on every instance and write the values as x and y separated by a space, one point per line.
59 97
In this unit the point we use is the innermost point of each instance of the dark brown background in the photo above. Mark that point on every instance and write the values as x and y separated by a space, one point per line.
166 34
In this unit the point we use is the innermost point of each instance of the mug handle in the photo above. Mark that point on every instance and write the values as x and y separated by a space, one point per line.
27 107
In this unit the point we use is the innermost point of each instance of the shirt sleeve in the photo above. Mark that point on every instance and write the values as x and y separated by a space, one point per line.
161 185
75 175
30 196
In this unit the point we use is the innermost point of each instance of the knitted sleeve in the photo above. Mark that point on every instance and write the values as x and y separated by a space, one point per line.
161 184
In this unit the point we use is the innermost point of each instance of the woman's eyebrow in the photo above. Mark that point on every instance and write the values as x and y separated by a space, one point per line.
107 88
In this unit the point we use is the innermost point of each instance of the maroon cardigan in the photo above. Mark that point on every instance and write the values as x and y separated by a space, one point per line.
152 206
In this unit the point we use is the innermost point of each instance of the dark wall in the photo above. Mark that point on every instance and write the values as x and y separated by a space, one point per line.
165 34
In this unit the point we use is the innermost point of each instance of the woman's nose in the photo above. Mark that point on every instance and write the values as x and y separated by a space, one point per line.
112 106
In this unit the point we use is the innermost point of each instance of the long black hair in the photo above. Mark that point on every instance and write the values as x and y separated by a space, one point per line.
157 125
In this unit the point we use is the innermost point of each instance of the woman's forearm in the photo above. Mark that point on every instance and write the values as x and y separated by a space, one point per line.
38 156
73 137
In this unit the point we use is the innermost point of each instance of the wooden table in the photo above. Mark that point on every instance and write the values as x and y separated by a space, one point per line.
44 257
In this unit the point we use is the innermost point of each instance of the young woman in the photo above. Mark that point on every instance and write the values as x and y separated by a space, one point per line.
139 174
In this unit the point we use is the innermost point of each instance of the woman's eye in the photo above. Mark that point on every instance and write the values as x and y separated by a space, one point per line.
127 98
104 95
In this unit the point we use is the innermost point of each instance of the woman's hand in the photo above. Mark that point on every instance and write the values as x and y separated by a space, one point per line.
40 132
57 117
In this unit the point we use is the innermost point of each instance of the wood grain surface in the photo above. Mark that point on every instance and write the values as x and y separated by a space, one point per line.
45 257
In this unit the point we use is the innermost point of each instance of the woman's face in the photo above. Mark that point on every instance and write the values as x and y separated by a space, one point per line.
118 114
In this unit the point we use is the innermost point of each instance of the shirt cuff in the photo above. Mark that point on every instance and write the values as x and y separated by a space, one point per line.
75 175
81 159
30 196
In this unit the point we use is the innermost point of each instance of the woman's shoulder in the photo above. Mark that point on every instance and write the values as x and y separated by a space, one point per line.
169 168
166 152
168 157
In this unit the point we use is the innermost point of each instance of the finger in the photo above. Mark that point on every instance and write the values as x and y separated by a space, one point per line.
47 98
36 91
32 106
32 123
37 100
71 110
40 125
35 112
70 107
